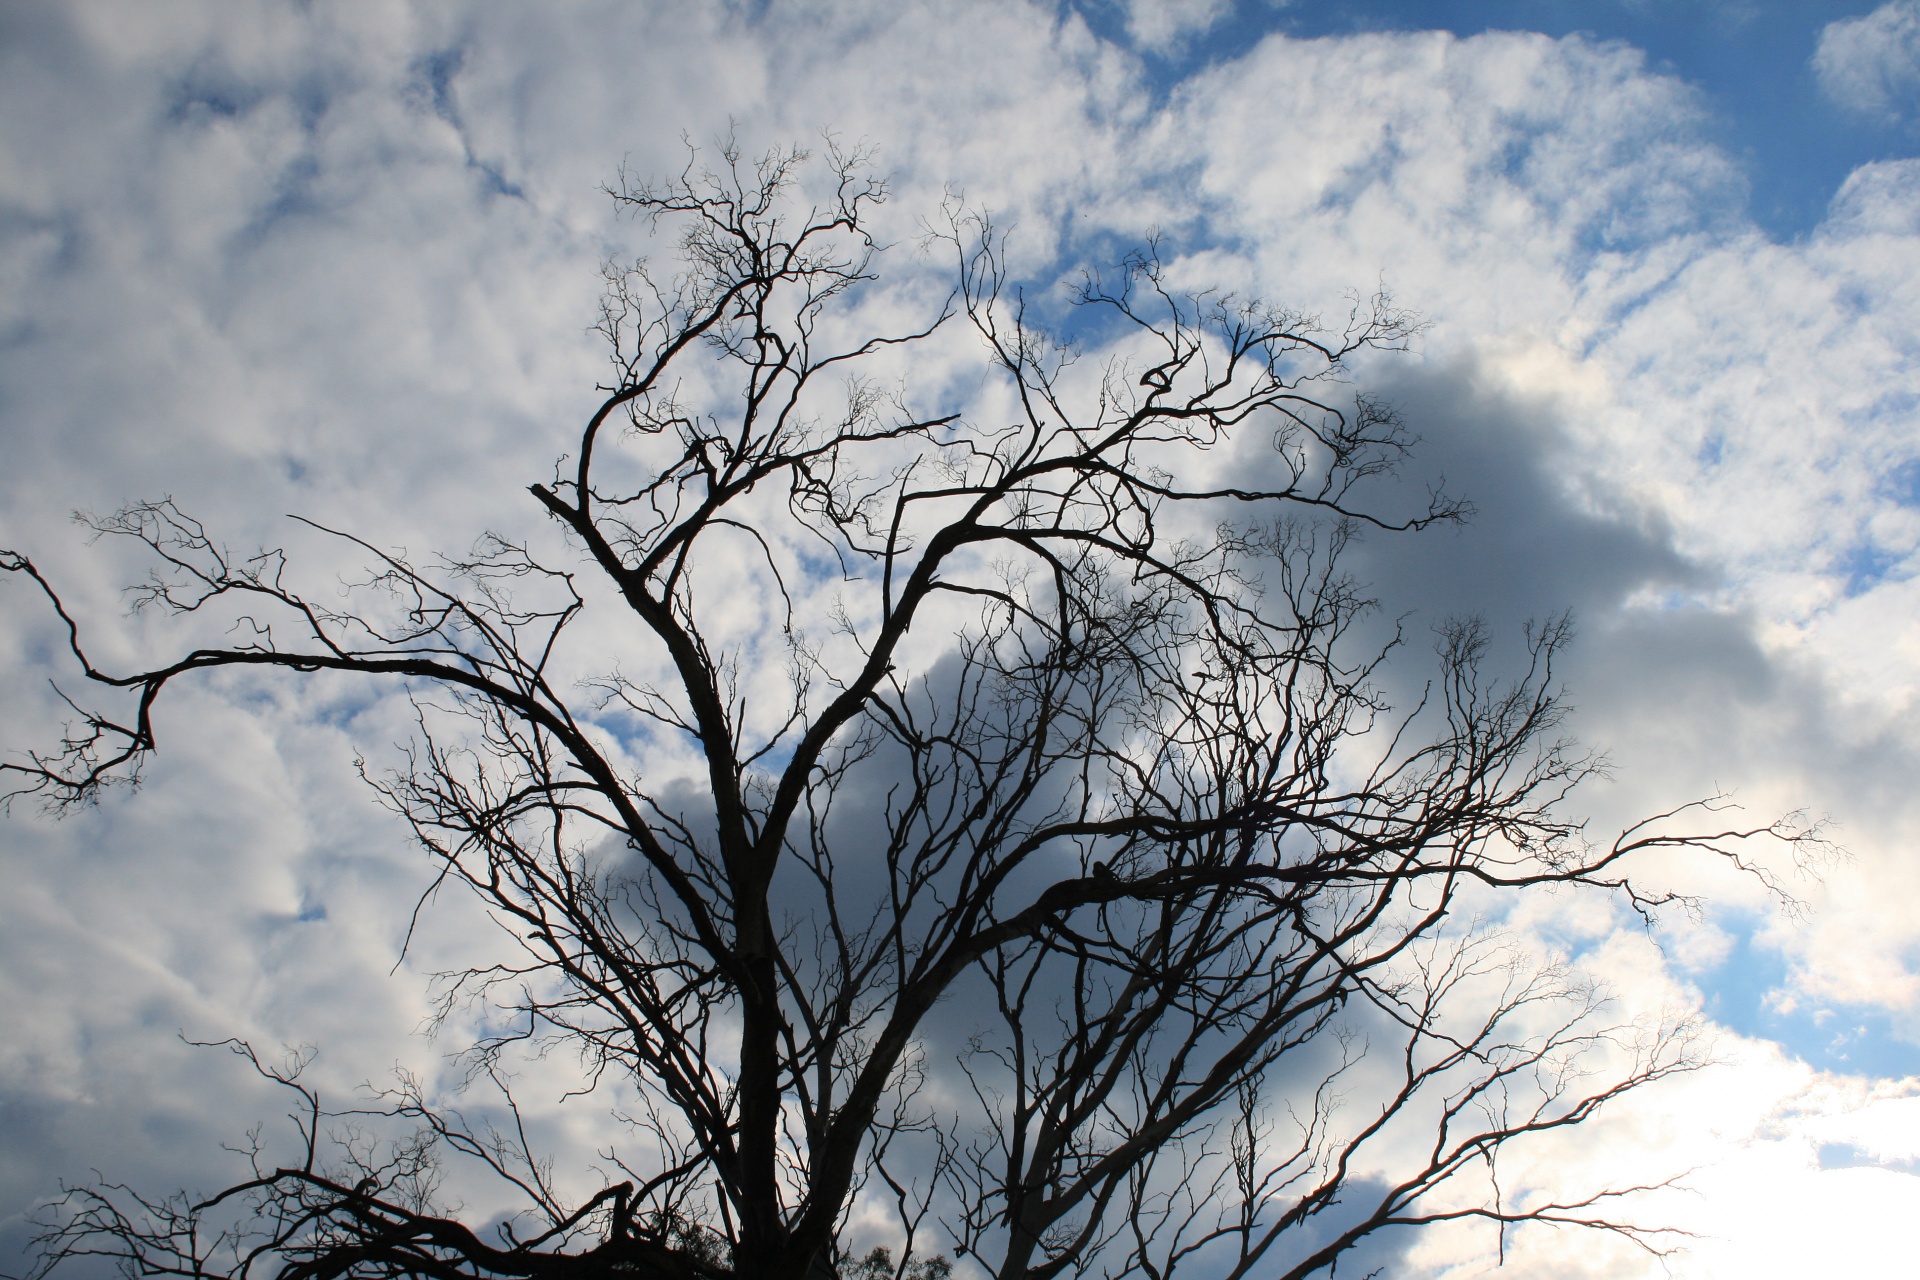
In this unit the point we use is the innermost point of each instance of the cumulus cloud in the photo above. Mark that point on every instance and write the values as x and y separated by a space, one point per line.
340 262
1871 64
1752 399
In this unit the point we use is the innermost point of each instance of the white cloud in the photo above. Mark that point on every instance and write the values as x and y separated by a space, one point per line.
1163 24
340 262
1539 199
1871 64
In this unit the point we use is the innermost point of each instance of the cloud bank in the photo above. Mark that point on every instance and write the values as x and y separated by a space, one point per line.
341 262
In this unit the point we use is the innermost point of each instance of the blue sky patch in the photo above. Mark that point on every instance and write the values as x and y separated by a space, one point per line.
1866 565
1744 994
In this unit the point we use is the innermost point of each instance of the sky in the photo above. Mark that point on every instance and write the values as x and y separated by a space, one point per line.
340 261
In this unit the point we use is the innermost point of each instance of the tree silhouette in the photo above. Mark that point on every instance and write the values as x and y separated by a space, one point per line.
1026 712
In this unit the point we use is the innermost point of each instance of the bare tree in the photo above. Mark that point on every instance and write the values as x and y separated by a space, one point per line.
1087 746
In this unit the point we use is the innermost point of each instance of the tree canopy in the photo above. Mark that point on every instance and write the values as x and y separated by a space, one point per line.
1049 868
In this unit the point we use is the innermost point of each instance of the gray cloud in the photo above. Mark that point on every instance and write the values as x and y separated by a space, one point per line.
1543 537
